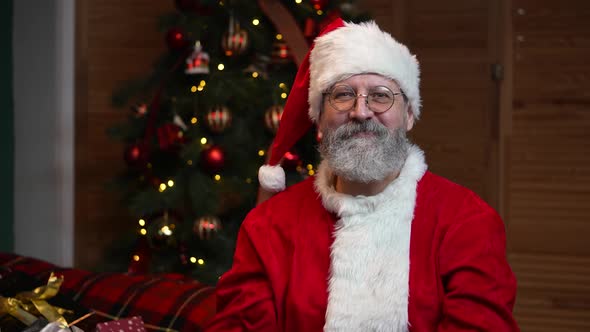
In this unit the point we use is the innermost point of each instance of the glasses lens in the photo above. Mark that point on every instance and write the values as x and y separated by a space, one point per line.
342 97
380 99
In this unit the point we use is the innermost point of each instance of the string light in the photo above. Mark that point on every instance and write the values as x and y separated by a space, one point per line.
255 21
261 153
203 140
143 231
319 12
309 167
193 89
166 231
141 222
283 95
170 183
282 85
298 1
136 258
255 74
162 187
220 66
311 172
217 177
202 83
201 261
200 88
193 260
189 162
279 36
248 180
194 120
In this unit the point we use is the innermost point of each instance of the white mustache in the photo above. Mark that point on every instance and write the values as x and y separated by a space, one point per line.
351 129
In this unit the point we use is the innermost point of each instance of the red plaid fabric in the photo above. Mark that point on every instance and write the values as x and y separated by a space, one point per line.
165 303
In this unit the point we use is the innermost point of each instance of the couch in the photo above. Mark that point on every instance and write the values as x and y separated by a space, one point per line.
168 302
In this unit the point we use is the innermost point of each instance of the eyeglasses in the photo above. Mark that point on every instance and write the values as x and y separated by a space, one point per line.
379 99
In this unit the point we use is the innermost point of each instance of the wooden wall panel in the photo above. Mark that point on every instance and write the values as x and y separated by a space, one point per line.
451 41
116 41
549 172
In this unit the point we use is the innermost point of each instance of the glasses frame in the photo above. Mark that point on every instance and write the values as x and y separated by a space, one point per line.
366 96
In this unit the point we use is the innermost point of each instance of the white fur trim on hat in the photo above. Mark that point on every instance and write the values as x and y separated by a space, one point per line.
271 178
361 49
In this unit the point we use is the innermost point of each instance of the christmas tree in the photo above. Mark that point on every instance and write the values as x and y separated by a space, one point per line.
201 122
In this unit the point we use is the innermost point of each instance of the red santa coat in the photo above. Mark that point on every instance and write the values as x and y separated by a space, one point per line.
423 255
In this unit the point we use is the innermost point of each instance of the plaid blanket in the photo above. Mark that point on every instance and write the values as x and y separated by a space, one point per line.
165 303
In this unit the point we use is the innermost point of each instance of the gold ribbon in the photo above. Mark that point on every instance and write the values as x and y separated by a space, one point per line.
11 306
25 305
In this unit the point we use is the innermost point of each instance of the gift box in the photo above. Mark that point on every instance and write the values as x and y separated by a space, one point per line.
133 324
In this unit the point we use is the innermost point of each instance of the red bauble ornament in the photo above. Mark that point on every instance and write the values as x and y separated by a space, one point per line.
318 4
218 119
291 160
136 155
280 52
272 118
206 227
213 159
235 40
176 39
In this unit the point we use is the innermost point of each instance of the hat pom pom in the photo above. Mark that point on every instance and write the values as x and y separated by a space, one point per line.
271 178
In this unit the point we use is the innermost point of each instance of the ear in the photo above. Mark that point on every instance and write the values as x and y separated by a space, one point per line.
410 118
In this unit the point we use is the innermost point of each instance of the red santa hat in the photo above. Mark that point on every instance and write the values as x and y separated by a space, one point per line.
340 51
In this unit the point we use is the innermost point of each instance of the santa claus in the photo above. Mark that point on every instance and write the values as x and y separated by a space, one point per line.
373 242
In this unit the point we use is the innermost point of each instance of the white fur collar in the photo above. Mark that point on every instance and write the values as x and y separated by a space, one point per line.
369 274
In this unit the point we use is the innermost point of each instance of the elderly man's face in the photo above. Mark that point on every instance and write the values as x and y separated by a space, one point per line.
360 144
398 116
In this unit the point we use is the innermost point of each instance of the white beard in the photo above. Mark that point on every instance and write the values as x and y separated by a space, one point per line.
364 159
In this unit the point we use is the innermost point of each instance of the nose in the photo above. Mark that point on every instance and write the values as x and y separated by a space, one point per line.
361 111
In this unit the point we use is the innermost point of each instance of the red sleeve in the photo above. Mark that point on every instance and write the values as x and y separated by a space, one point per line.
244 297
479 285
